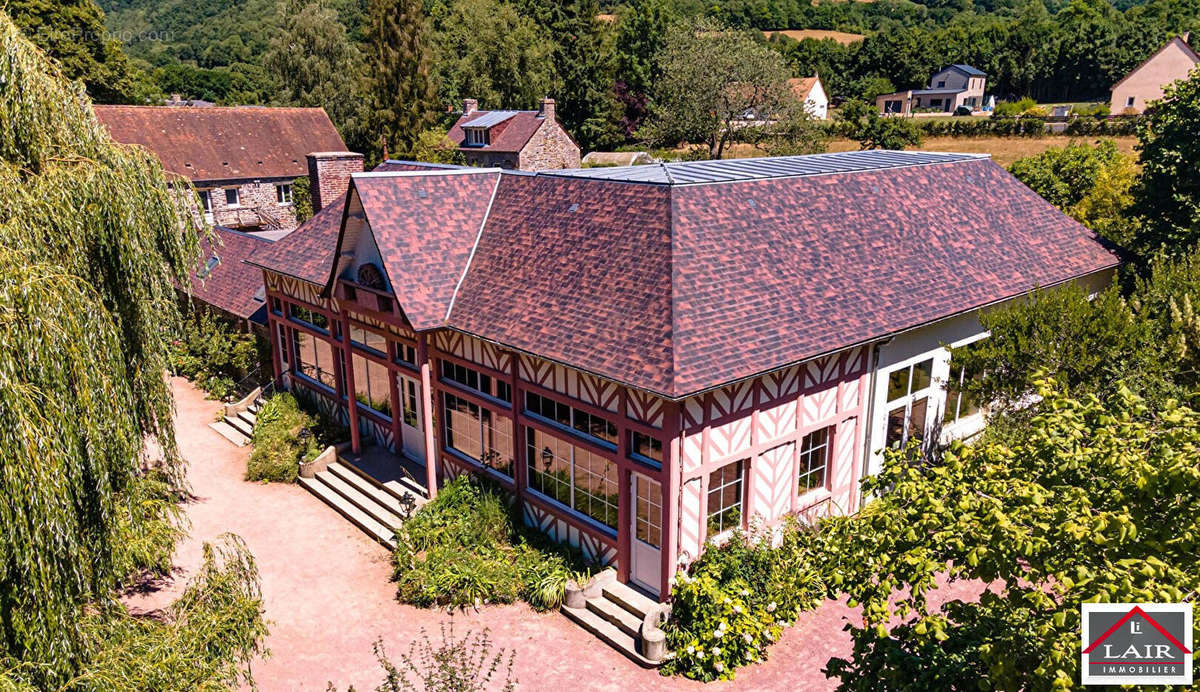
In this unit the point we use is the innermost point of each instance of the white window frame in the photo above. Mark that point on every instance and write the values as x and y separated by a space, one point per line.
739 480
283 194
237 197
962 427
827 448
476 136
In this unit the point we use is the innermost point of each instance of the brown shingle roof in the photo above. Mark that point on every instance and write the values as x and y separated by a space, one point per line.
802 86
510 136
230 285
238 142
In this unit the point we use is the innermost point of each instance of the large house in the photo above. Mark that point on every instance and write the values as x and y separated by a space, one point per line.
522 140
949 88
1146 83
242 160
650 356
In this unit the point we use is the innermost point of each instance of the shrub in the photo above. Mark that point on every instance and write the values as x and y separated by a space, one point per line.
466 548
215 356
461 665
284 436
738 596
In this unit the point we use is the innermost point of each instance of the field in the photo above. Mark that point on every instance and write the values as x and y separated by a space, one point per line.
841 37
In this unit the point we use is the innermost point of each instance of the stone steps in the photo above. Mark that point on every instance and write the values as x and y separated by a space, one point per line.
616 617
239 429
376 508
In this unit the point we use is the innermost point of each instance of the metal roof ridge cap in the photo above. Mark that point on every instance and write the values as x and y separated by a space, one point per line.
474 246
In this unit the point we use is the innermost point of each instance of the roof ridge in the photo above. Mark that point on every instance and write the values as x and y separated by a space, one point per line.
474 246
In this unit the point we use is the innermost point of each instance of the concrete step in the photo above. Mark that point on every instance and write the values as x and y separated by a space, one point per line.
399 488
625 621
361 500
608 633
230 433
380 494
249 417
240 425
629 599
359 518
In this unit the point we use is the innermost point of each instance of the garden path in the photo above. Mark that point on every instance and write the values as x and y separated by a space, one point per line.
328 597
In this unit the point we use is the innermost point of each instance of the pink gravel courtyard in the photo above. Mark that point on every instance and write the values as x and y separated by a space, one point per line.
328 597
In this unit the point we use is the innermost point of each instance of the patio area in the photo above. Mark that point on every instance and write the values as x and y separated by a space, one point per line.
328 596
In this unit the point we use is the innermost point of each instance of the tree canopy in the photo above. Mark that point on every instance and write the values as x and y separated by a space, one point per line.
1167 197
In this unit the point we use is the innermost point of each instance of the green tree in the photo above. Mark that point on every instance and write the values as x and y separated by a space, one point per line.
400 96
72 32
313 62
1092 183
584 70
715 84
640 35
93 242
485 50
874 131
434 146
1072 512
1167 198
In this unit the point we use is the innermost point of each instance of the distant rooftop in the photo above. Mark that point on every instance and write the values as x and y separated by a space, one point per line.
490 118
973 71
731 170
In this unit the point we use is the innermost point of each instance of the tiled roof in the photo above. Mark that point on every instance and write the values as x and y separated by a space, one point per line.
238 142
802 86
967 69
675 288
228 283
448 208
510 135
307 252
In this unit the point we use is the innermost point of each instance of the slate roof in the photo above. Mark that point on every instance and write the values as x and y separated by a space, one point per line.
225 143
676 287
967 69
510 135
307 252
231 285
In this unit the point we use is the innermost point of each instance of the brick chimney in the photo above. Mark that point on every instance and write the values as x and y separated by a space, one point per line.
470 106
329 175
547 109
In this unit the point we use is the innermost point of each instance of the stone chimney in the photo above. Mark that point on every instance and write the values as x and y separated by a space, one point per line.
547 110
470 106
329 175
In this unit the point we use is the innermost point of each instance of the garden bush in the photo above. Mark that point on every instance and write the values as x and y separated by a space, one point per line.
467 548
736 599
215 356
284 436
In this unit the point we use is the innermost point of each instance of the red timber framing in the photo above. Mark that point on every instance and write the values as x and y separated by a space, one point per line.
760 420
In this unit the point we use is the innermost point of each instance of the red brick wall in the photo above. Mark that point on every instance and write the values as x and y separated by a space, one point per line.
330 173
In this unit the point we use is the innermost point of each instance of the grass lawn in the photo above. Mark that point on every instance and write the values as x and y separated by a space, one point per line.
841 37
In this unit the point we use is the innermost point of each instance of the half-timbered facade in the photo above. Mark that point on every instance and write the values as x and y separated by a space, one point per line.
652 356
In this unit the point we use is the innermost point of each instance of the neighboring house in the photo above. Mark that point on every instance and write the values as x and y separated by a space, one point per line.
1146 83
523 140
811 93
618 158
949 88
242 160
651 356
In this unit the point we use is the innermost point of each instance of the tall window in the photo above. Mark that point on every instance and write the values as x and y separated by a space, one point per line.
371 385
476 380
231 197
408 401
283 193
572 476
725 492
315 358
283 346
814 460
908 403
479 433
369 341
645 449
647 520
206 202
580 421
960 402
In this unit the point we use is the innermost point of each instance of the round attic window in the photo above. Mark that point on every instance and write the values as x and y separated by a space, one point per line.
370 276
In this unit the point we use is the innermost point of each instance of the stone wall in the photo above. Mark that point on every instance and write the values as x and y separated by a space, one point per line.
549 148
258 204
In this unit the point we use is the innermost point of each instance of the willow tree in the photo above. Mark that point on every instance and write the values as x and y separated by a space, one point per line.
93 239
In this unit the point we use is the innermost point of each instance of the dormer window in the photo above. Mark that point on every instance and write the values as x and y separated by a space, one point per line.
476 136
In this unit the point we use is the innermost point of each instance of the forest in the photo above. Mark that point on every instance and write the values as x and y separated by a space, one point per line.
597 59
